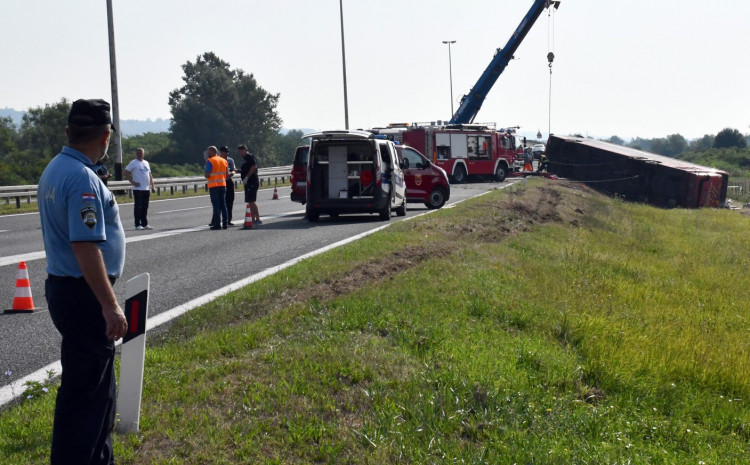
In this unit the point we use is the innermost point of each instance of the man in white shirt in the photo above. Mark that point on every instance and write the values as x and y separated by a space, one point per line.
138 172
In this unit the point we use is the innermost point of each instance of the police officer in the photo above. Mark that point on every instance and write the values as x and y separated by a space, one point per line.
85 246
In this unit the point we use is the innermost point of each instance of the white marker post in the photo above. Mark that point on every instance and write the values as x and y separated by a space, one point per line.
133 354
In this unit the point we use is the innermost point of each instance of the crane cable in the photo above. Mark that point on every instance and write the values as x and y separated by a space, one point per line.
550 59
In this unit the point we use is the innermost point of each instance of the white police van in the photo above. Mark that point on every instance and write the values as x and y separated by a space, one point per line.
353 172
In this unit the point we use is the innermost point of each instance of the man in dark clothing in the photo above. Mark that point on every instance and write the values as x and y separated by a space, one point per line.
249 174
231 169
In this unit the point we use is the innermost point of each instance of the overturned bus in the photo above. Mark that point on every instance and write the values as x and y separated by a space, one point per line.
636 175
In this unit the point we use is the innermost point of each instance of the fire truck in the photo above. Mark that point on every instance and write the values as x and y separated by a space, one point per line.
461 150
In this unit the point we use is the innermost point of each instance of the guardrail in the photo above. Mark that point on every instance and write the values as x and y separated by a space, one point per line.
267 175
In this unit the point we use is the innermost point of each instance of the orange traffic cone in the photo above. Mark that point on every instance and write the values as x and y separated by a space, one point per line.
22 301
248 218
275 194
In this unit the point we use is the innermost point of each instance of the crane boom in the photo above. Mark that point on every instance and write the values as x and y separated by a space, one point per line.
472 102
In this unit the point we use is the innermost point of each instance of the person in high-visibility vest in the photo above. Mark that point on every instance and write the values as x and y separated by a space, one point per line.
216 173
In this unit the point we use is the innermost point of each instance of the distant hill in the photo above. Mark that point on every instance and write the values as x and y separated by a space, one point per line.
15 115
129 127
136 127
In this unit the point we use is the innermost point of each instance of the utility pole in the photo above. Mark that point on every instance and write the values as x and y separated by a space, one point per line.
343 60
117 142
450 69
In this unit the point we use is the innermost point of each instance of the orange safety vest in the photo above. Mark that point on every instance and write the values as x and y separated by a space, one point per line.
218 176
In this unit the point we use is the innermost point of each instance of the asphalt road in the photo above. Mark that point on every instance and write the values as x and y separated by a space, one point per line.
185 259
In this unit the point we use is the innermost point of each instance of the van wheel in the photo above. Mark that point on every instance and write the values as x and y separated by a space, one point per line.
437 198
313 215
459 175
401 211
500 173
385 213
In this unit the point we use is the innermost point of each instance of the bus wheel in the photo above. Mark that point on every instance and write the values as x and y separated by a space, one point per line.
459 175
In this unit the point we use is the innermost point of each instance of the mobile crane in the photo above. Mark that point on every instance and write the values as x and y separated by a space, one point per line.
463 149
472 102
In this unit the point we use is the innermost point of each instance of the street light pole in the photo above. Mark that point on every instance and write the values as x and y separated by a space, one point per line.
450 70
117 136
343 60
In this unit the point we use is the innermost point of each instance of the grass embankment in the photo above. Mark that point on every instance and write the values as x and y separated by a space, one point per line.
545 325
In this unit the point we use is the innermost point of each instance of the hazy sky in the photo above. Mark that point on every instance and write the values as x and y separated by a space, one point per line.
645 68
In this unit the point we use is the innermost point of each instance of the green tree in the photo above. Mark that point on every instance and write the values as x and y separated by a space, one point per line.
282 147
704 143
43 129
616 140
10 172
7 136
671 146
220 106
640 143
728 137
159 147
41 136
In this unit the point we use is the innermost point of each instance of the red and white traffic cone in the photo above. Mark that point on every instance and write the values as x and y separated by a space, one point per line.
22 300
275 194
248 218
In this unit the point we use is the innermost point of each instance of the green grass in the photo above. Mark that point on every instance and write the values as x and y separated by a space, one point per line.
539 325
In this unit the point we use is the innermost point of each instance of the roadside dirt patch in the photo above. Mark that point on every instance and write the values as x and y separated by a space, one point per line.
380 270
522 209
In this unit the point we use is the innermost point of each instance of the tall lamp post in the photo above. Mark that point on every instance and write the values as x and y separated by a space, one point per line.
343 60
117 136
450 70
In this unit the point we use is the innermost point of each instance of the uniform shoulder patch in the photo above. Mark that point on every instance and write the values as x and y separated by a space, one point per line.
89 217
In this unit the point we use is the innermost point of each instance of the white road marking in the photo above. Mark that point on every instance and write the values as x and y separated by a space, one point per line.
182 210
30 256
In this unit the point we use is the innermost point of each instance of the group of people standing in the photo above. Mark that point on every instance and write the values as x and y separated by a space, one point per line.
220 169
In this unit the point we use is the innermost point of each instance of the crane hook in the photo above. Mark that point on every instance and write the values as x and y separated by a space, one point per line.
550 58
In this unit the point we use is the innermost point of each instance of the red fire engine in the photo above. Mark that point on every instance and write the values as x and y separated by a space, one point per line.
461 150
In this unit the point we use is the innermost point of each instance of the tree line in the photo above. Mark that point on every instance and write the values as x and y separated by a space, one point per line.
216 105
727 150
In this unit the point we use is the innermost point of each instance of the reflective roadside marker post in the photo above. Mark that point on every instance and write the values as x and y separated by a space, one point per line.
133 354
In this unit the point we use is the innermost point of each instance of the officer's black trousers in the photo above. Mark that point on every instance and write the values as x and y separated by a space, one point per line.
85 408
